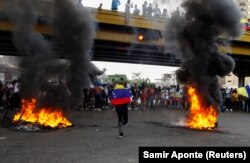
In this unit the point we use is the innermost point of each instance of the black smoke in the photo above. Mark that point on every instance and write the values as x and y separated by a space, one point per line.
195 35
53 82
38 63
74 30
94 72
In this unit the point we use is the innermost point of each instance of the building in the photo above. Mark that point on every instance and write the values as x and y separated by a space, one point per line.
8 68
232 81
247 81
229 81
169 79
244 8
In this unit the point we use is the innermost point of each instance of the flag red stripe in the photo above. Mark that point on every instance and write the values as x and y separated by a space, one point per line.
120 101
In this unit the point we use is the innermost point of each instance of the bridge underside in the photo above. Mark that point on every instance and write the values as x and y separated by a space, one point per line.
126 53
109 51
132 53
152 55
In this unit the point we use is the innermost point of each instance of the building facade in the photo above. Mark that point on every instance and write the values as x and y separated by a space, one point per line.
230 80
8 68
244 8
169 79
247 81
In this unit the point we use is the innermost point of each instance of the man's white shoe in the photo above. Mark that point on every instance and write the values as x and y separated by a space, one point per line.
120 126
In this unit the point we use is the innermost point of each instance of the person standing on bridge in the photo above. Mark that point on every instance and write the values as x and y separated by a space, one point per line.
136 11
144 8
115 4
100 6
128 5
120 98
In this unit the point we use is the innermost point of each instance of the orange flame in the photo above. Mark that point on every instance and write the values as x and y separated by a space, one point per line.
199 117
44 117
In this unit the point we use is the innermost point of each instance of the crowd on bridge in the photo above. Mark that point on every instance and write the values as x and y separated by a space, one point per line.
146 10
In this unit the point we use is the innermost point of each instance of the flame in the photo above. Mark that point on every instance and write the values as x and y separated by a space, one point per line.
45 116
200 117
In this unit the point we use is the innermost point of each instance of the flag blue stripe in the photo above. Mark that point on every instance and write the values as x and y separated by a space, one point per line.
120 93
248 90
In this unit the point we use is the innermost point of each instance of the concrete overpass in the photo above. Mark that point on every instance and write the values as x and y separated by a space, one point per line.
117 40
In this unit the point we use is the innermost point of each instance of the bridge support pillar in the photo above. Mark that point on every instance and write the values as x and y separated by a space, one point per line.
242 79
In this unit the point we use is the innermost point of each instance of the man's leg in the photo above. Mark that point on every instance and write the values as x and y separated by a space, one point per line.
124 114
120 123
125 117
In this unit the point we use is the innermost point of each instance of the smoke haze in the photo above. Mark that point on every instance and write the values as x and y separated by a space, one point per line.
170 5
74 29
38 59
193 36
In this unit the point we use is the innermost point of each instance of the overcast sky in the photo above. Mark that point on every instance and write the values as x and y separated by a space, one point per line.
147 71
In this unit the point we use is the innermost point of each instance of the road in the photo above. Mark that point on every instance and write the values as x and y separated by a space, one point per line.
94 137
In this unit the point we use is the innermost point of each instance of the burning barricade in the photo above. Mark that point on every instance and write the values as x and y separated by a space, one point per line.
195 37
200 117
31 118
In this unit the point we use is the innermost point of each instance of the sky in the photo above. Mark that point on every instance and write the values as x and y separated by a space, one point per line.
150 71
147 71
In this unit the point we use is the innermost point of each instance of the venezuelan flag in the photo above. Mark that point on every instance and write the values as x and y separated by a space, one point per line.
120 95
248 90
244 91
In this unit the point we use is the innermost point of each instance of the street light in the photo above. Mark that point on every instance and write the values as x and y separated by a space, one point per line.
140 37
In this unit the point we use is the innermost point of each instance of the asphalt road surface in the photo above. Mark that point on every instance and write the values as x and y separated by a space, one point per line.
94 137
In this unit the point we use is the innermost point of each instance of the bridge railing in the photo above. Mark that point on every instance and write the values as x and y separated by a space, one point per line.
103 16
121 19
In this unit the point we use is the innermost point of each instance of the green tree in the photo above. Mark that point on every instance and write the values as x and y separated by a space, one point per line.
136 76
115 77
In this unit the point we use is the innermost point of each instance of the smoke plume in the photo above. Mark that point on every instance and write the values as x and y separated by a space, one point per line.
74 32
194 36
170 5
74 29
38 63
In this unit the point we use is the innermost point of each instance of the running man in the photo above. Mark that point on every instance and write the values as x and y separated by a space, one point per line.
120 98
